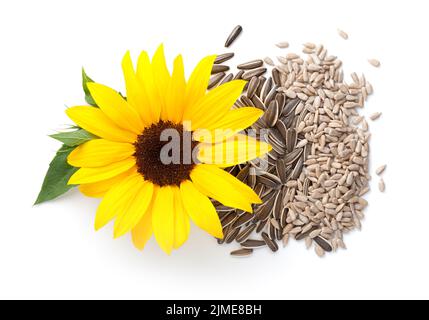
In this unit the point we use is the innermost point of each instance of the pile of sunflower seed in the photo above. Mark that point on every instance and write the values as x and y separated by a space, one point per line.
317 173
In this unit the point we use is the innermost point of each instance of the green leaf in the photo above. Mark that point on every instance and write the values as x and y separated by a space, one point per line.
59 173
73 138
85 80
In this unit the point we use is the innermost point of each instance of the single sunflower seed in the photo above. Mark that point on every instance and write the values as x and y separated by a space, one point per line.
270 243
223 57
253 64
242 252
231 235
374 62
282 44
238 75
214 80
323 243
380 169
381 185
375 116
319 251
245 233
269 61
226 79
242 219
252 243
276 77
343 34
233 35
253 73
253 86
218 68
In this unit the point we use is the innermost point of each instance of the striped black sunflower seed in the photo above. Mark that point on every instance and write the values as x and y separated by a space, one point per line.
242 252
245 233
252 243
223 57
233 35
272 114
238 75
218 68
253 86
250 65
228 78
252 73
231 235
276 77
214 80
323 243
242 219
270 243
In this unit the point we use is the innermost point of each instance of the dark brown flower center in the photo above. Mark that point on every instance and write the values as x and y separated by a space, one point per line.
164 153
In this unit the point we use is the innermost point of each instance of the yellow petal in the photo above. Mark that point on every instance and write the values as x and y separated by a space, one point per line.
146 79
136 96
161 77
117 200
181 220
163 218
129 76
175 96
223 187
233 122
90 175
138 207
142 232
215 105
200 209
115 107
95 121
99 189
99 152
235 150
198 81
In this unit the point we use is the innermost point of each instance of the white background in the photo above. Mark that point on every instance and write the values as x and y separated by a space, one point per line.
52 251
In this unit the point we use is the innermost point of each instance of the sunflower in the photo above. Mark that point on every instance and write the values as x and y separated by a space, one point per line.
141 193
